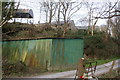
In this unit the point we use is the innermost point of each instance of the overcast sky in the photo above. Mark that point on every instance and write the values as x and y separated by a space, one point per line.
35 6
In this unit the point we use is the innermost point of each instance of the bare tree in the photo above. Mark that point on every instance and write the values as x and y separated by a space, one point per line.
96 12
90 13
65 6
58 16
109 13
94 9
45 7
68 10
41 5
8 9
110 10
50 9
114 22
53 8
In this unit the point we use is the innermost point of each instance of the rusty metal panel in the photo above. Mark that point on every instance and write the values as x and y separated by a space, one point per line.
44 53
34 53
66 52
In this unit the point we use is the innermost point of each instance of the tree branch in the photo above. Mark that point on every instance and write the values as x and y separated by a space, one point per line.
107 17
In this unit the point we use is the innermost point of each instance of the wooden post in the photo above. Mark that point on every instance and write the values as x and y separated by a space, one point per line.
111 68
46 67
81 67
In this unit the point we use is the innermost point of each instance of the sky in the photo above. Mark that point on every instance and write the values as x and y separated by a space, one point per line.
35 6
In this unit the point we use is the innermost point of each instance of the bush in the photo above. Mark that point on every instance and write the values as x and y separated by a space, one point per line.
99 47
10 68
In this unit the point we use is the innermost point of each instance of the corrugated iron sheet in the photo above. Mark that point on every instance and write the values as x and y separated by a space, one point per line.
31 52
66 52
44 53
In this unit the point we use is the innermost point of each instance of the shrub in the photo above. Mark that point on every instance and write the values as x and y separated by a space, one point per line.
97 46
10 68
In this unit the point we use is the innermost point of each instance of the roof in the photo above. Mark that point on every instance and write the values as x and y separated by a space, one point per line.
23 13
82 27
62 22
37 38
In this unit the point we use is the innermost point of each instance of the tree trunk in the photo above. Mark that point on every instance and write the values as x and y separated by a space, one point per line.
92 32
51 11
50 18
89 25
46 16
64 29
58 22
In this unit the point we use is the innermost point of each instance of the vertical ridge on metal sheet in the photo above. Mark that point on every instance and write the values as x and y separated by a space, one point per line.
51 54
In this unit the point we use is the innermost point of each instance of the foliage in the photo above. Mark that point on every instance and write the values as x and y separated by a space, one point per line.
100 47
10 68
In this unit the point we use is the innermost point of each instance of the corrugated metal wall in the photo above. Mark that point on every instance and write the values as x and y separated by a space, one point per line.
44 53
66 52
32 52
